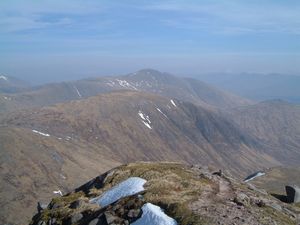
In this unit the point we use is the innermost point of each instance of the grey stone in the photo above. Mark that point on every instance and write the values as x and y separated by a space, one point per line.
293 194
94 222
242 199
276 206
133 213
76 217
109 218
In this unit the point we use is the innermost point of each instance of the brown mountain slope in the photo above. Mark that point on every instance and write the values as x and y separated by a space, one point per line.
276 124
33 166
139 126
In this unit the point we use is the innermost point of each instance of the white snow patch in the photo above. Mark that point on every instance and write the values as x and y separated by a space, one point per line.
78 93
253 176
147 125
173 103
58 192
145 119
131 186
111 83
124 83
3 77
154 215
43 134
161 112
6 98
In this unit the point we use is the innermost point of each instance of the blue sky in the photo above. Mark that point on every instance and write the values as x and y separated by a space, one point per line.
45 40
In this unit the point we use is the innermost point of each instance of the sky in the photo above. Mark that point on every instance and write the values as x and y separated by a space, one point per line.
54 40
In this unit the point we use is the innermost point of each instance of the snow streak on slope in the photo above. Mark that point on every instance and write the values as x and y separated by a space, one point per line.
161 112
124 83
173 103
153 215
43 134
253 176
78 93
131 186
145 119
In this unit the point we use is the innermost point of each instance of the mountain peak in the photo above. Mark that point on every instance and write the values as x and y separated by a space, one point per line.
149 71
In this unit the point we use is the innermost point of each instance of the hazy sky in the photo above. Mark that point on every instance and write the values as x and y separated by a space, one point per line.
66 39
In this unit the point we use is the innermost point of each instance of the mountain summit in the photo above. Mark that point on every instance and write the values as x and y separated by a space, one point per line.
165 194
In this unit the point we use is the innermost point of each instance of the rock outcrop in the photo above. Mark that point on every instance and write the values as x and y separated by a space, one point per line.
176 193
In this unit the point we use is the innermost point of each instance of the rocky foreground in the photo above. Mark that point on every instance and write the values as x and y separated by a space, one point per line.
166 193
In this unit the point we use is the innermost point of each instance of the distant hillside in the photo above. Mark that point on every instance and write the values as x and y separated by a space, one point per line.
276 124
10 84
147 80
257 86
140 126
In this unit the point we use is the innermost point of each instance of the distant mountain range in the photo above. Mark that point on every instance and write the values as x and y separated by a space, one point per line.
257 86
10 84
147 80
56 136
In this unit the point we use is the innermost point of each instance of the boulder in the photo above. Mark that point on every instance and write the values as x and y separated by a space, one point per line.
293 194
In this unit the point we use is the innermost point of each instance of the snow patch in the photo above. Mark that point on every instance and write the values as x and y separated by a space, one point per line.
154 215
161 112
111 83
173 103
253 176
43 134
145 119
124 83
3 78
78 93
147 125
131 186
58 192
6 98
